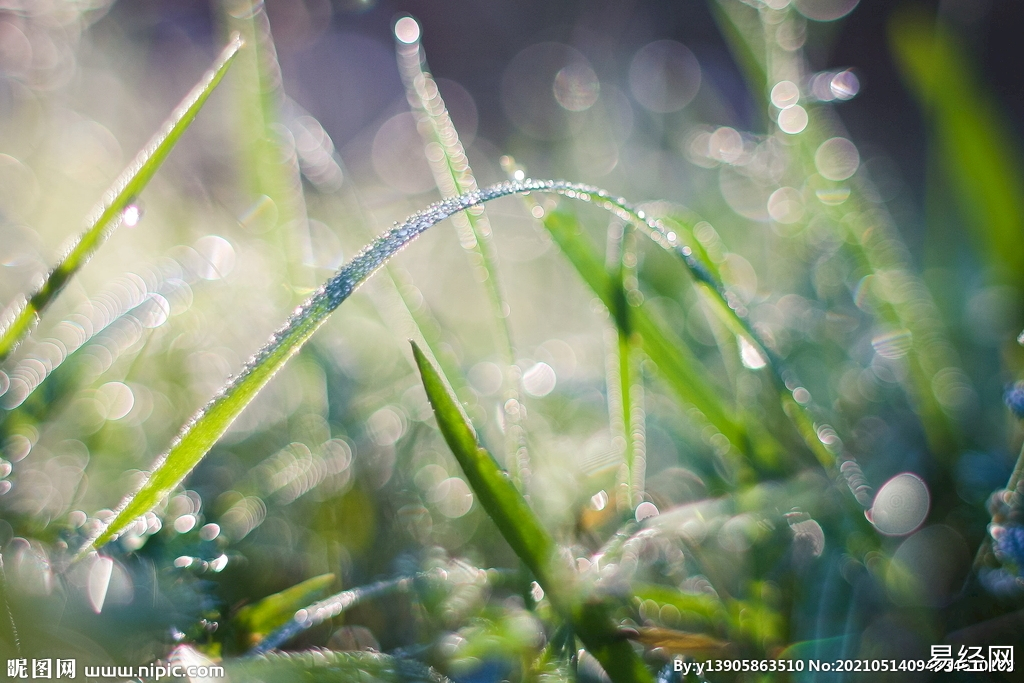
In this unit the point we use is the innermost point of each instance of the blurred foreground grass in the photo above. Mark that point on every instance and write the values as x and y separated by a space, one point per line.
768 431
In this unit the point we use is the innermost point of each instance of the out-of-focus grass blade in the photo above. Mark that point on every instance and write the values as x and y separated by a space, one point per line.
257 620
741 27
451 170
453 176
270 168
976 147
625 376
708 606
301 619
107 215
523 531
329 666
679 643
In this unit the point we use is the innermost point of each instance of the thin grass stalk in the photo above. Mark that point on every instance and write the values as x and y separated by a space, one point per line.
328 608
418 319
108 215
271 168
625 381
453 175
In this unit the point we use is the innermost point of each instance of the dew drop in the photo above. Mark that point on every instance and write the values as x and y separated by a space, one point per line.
407 30
132 215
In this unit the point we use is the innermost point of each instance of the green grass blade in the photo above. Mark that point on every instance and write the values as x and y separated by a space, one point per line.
453 176
625 378
300 620
203 431
451 170
270 166
107 215
976 146
679 368
494 489
523 531
259 619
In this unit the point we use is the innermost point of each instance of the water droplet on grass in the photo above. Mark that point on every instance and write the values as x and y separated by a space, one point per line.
132 215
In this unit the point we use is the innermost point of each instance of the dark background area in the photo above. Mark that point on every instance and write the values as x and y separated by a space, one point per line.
325 48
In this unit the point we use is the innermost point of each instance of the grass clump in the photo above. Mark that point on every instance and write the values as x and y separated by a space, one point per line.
738 434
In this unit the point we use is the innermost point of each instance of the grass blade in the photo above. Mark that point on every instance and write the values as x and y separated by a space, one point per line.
523 531
625 377
453 176
451 170
975 145
328 608
270 166
679 368
257 620
107 215
203 431
494 489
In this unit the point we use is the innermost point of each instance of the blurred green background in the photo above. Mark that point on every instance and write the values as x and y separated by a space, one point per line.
884 275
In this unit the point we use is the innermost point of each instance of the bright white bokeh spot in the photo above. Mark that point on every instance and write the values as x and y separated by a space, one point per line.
116 399
901 505
725 144
132 215
407 30
750 356
793 120
844 85
98 582
153 312
837 159
645 510
218 257
185 523
576 87
539 380
785 94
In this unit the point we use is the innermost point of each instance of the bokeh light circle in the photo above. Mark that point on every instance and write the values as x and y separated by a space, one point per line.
664 76
901 505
